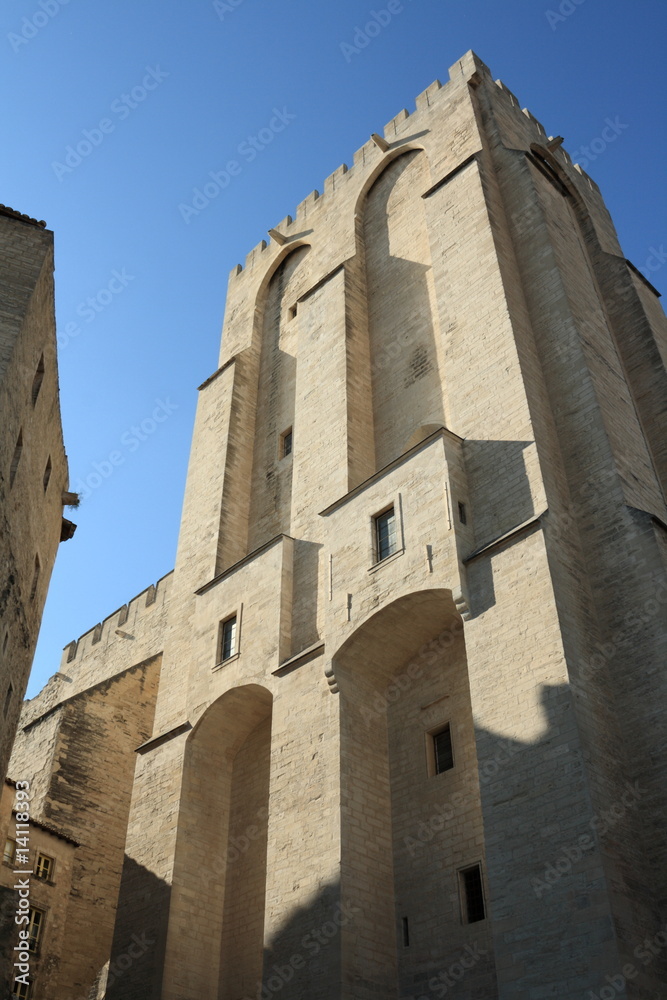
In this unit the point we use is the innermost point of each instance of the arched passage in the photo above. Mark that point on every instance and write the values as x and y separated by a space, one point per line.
408 828
220 866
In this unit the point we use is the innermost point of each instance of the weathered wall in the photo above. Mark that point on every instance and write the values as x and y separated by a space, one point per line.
449 329
79 759
33 465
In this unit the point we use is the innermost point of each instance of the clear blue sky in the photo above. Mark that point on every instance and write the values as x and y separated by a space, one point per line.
216 76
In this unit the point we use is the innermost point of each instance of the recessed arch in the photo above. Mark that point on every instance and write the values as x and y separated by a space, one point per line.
403 325
552 164
225 793
278 261
277 329
391 156
402 677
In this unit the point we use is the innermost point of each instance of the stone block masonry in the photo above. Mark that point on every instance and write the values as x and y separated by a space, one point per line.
464 542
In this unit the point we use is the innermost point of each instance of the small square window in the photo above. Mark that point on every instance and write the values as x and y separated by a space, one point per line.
443 755
9 852
472 894
44 867
228 643
286 442
385 534
35 927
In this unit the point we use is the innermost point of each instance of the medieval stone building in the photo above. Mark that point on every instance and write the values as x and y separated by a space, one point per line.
33 472
394 727
33 482
33 465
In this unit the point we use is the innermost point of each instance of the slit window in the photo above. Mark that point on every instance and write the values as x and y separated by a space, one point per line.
35 579
463 517
227 642
443 756
37 380
385 534
44 867
16 458
472 894
8 700
406 933
286 442
47 473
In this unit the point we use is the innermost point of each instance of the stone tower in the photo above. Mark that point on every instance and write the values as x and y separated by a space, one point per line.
407 733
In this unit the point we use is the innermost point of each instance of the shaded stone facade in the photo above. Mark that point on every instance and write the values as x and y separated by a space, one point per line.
406 737
33 465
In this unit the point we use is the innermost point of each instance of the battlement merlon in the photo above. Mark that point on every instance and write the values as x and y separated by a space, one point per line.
132 633
470 82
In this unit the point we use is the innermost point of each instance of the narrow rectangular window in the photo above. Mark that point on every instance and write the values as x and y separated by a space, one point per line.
16 458
9 852
227 639
463 517
44 867
35 578
37 380
406 933
385 534
47 474
8 700
472 894
35 928
442 750
286 442
22 990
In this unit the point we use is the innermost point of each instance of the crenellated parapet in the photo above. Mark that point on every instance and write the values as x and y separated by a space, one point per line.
129 635
401 129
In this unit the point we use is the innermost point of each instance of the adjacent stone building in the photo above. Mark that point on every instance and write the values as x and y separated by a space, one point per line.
33 464
408 736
